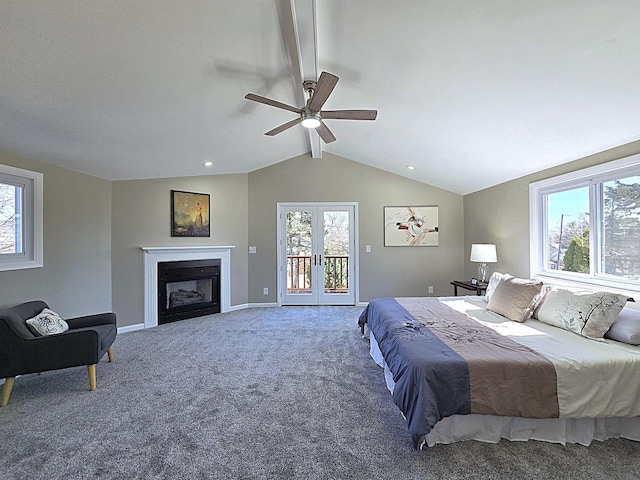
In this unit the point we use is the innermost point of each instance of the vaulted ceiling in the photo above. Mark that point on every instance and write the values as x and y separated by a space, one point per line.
471 93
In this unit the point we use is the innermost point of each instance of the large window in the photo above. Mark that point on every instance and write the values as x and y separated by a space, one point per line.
20 218
585 226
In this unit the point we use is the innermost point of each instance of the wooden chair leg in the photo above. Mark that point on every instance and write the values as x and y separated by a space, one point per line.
92 376
6 391
110 354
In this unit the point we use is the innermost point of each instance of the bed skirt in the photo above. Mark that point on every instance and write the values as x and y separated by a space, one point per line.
492 428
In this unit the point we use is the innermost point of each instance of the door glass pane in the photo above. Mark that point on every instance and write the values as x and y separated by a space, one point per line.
621 228
568 230
336 252
299 244
10 219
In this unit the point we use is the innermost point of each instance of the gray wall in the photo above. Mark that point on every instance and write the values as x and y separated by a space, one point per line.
141 218
500 214
93 230
76 276
386 271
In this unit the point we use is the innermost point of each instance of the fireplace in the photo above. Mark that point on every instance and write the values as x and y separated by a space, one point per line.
155 255
188 289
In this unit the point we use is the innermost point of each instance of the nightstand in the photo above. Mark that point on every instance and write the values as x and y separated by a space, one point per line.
480 288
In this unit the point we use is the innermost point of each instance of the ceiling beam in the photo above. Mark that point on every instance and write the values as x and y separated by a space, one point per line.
305 27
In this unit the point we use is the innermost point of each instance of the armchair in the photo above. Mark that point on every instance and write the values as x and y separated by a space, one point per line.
22 352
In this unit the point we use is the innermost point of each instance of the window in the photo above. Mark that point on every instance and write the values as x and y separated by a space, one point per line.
585 226
20 218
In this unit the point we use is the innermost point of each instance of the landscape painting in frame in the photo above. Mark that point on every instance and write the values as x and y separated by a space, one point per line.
189 214
411 226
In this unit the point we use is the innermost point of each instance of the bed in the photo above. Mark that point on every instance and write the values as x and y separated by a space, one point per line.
459 371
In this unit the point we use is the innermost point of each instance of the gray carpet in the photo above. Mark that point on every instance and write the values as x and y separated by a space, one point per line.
259 393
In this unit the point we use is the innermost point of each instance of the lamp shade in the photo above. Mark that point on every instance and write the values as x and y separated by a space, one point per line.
483 253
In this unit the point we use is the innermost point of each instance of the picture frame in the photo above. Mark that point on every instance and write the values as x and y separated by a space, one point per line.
474 281
407 226
190 214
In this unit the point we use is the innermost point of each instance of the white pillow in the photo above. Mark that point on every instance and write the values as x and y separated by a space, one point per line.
586 313
47 322
491 286
626 328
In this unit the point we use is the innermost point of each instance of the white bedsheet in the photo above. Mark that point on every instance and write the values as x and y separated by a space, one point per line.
595 379
598 386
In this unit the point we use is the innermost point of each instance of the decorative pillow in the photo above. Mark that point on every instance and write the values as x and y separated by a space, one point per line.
586 313
539 300
514 297
47 322
491 286
626 327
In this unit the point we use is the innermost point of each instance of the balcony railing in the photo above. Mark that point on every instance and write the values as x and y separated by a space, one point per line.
336 273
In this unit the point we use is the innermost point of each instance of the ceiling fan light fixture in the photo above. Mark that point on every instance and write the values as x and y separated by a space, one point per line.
311 120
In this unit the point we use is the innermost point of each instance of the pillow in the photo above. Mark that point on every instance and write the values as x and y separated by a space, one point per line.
539 300
586 313
47 322
513 297
626 327
491 286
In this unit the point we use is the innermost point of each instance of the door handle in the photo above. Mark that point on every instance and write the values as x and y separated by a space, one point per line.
320 259
315 260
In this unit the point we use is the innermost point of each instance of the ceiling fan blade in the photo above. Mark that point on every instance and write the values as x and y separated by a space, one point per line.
283 127
350 114
272 103
325 134
324 87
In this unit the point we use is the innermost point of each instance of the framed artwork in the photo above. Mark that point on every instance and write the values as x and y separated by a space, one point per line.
189 214
411 226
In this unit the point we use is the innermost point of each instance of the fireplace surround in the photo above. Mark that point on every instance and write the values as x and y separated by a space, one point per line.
155 255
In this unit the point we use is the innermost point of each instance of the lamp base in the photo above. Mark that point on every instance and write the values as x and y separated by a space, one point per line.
483 273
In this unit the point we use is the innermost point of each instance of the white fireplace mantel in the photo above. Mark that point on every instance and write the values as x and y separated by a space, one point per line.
153 255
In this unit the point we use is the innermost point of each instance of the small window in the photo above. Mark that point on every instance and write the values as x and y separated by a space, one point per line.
585 226
20 218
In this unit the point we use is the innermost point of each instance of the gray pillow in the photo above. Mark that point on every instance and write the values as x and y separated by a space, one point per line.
586 313
626 327
514 297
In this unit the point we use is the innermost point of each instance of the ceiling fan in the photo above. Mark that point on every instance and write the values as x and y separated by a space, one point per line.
312 115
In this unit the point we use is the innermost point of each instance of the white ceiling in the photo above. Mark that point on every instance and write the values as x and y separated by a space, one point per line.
471 93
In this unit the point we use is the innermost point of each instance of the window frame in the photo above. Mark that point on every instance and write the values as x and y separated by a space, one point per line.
593 178
32 218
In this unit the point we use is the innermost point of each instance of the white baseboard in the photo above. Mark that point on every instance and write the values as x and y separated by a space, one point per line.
131 328
234 308
262 305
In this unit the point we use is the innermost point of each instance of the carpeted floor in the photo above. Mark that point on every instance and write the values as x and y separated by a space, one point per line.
259 393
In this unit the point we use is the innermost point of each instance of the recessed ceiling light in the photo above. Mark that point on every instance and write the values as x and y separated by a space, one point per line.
410 167
208 163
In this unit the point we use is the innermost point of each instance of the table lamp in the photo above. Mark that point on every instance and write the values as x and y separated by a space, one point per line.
483 253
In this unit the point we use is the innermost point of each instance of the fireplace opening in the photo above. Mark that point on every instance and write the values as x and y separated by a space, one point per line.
188 289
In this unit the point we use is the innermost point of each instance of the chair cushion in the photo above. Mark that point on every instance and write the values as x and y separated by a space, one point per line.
47 322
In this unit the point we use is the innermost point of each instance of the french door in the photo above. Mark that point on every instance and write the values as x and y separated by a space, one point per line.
317 254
